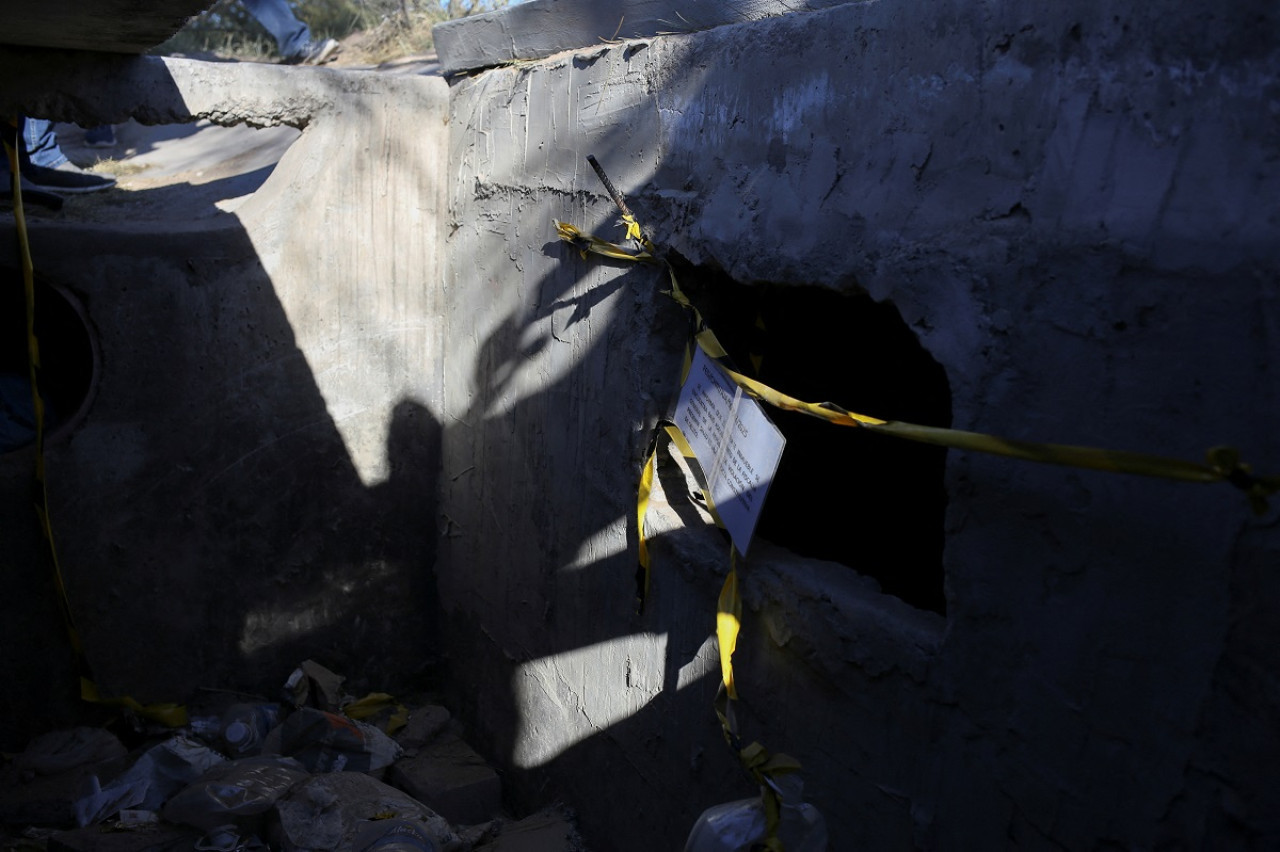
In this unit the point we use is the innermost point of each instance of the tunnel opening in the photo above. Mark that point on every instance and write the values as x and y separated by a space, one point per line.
66 361
872 502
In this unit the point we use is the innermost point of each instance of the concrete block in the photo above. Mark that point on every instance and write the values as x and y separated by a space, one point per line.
543 27
547 831
425 723
450 778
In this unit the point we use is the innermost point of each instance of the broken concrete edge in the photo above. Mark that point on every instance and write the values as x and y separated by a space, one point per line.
100 88
540 28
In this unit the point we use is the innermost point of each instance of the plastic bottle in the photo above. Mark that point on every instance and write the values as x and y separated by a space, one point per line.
737 826
245 726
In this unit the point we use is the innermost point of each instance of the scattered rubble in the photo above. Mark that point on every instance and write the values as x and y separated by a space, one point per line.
318 780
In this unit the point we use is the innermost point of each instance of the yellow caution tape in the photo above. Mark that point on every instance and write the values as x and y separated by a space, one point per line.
173 715
643 494
1222 463
755 758
728 623
585 243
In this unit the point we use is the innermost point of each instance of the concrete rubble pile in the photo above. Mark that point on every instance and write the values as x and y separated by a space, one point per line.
319 771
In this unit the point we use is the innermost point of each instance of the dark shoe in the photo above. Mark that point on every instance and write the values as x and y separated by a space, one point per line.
100 137
316 53
68 178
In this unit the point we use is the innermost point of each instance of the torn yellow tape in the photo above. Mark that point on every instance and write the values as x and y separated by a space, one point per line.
644 494
728 623
375 703
585 243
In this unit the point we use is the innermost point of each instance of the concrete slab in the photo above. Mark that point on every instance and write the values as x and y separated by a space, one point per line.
425 723
548 831
450 778
543 27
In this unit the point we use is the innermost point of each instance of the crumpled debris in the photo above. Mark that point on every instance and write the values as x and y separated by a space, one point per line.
161 771
60 751
328 811
312 685
238 793
328 742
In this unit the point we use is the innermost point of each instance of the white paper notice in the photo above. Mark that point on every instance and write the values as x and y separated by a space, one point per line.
737 446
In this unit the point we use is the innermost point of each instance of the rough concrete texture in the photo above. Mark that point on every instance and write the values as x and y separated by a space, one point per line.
1075 209
252 483
112 26
539 28
449 777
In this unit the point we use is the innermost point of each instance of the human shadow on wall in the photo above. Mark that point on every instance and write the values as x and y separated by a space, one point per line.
212 526
557 607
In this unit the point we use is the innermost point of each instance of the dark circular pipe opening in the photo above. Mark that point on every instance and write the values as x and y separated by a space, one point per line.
67 362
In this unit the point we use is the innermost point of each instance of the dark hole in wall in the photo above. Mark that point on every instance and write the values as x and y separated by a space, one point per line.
66 361
872 502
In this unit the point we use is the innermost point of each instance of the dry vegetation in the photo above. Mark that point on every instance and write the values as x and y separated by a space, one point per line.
371 31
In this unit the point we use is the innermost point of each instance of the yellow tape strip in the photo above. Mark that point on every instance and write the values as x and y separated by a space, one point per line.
375 703
173 715
762 766
1222 463
642 546
728 623
586 243
755 758
643 495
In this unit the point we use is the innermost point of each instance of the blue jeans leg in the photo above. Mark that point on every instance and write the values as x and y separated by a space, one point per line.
40 143
292 35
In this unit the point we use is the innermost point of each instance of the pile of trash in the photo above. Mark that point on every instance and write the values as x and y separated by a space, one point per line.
315 772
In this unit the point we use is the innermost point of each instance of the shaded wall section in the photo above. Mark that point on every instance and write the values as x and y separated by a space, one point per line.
254 482
112 26
1074 212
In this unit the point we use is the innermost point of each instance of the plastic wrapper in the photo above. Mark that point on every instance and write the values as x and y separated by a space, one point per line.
329 811
312 685
238 792
327 742
161 771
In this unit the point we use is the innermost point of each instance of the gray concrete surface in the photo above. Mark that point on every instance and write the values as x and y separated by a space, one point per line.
379 415
1074 211
252 482
539 28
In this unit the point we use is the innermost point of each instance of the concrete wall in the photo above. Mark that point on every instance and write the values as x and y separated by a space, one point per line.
253 482
1075 210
